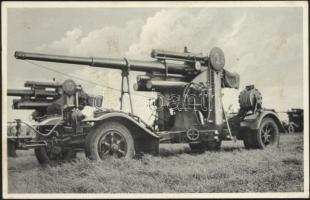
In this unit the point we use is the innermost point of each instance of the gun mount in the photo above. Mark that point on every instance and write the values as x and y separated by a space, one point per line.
189 105
48 98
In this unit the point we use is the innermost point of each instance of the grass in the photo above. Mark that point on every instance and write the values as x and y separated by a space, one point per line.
233 169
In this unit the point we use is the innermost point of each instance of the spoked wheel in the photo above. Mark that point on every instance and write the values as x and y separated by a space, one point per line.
112 143
110 139
266 135
291 128
54 155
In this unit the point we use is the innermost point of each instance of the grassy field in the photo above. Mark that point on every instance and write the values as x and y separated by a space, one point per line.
233 169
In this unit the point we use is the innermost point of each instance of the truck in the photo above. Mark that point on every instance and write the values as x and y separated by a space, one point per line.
189 109
295 120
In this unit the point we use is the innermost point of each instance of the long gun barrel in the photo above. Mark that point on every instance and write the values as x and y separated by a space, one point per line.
186 56
37 89
122 64
30 104
37 84
23 93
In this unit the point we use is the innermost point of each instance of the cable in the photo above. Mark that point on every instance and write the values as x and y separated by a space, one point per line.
43 134
64 74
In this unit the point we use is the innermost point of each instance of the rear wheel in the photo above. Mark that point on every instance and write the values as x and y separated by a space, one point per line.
266 135
110 139
248 140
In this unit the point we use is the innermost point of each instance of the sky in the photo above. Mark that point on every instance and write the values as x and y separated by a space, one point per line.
263 45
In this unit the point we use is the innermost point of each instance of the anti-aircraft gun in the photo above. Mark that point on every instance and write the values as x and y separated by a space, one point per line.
189 106
56 106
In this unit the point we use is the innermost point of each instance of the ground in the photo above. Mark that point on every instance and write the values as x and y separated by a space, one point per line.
233 169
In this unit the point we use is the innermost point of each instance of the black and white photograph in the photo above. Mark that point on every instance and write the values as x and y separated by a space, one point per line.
154 99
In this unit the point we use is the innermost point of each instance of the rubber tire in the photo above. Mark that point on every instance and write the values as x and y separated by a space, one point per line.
213 146
43 158
92 139
248 141
260 143
254 140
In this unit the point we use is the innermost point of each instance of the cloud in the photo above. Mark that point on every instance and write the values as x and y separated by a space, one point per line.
112 41
68 42
263 45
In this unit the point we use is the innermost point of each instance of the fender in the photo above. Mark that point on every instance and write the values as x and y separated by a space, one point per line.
293 124
120 116
49 121
253 121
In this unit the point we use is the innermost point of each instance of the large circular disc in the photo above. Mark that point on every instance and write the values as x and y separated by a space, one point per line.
217 58
69 87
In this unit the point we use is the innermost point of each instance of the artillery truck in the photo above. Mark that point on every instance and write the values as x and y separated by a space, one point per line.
188 106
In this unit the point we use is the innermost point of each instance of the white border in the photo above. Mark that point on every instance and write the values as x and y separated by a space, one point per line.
303 4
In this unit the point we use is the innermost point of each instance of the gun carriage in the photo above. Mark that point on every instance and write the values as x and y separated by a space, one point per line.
189 108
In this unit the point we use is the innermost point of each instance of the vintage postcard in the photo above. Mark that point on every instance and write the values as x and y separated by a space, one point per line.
155 99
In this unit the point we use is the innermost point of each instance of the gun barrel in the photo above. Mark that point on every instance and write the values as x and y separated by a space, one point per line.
42 84
28 104
186 56
158 85
31 93
122 64
18 93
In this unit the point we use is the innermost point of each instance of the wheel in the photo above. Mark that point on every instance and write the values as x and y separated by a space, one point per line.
248 141
266 135
52 154
213 145
197 147
49 155
11 149
291 128
110 139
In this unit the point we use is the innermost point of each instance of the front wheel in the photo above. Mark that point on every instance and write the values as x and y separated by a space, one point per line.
110 139
46 155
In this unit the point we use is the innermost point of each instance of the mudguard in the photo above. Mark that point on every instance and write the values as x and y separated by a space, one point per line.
120 116
253 121
49 121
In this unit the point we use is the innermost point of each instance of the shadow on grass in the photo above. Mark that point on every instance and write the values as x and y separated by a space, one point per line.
174 151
